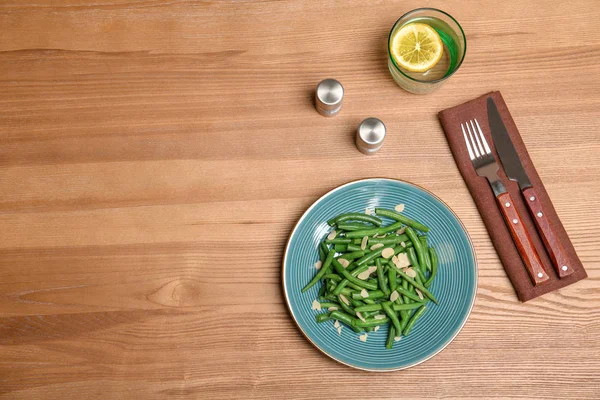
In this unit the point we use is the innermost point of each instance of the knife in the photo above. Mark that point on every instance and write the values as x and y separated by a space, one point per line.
516 172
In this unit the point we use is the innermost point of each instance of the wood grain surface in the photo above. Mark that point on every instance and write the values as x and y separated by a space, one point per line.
154 156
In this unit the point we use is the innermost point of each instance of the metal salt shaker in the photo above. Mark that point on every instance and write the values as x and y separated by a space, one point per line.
370 135
328 97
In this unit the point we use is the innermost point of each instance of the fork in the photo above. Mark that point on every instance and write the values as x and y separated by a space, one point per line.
486 166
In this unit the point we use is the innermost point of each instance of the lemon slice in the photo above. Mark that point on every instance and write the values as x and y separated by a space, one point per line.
417 47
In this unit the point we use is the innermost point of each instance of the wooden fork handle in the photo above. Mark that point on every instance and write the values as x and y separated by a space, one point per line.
522 240
555 249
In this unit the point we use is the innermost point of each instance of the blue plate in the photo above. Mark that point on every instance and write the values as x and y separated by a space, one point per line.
455 285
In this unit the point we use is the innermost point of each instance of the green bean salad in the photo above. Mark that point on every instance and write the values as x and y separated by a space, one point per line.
373 275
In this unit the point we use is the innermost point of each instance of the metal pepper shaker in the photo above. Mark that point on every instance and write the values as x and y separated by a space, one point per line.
370 135
328 97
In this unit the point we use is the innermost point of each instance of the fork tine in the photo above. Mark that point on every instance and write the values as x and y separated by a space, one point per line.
477 138
485 144
472 141
467 142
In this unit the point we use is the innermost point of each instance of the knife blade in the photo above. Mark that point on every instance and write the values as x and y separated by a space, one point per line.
505 148
513 167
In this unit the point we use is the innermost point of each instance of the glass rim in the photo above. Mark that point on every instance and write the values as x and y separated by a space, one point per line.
457 65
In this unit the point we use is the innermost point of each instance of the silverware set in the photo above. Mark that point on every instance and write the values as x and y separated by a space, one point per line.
486 166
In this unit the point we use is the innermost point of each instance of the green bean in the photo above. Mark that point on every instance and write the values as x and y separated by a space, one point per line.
354 247
353 226
375 294
401 218
368 314
333 277
354 287
417 244
328 297
369 307
388 240
353 255
405 316
368 329
322 317
355 217
374 231
418 314
395 307
345 282
323 246
345 307
415 284
412 257
326 305
387 307
392 279
408 294
370 257
381 278
338 241
330 285
347 319
352 266
369 301
322 290
370 322
323 271
346 292
434 266
424 246
405 287
322 253
355 302
347 275
389 343
340 248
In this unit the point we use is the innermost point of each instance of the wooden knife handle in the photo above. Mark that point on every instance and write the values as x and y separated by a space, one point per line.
522 239
555 249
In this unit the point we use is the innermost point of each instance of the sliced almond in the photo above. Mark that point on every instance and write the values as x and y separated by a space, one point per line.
403 260
344 262
395 260
401 230
368 211
318 264
331 235
377 246
344 299
387 252
365 274
419 294
332 308
360 316
379 316
363 244
336 324
399 208
394 296
411 272
339 329
316 305
403 244
376 328
364 294
363 338
397 338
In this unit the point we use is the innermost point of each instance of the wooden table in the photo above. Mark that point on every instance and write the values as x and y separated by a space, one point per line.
138 138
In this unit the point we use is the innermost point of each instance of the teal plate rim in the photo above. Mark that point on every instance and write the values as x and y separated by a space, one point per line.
418 187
